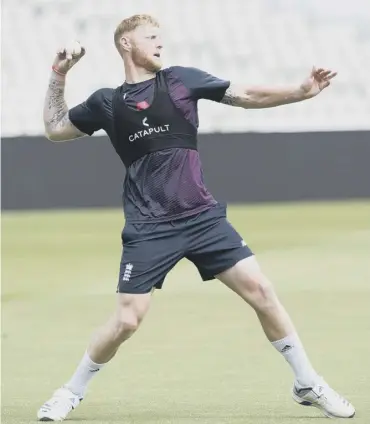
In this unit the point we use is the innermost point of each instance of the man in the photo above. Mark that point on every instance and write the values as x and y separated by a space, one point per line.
152 123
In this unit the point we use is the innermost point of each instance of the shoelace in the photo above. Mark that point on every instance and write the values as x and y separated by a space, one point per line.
331 392
62 403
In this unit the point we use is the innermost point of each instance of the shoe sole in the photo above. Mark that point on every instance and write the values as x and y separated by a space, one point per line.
326 413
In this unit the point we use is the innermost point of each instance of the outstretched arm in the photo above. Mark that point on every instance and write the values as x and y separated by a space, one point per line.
58 127
265 97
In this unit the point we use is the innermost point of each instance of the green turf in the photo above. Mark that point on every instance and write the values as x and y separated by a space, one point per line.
200 355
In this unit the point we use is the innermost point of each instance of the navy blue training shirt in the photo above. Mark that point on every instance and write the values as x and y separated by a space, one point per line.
166 184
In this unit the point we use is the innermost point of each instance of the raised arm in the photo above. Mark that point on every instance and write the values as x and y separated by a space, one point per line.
265 97
58 127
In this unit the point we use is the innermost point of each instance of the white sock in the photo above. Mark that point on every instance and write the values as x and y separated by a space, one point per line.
292 350
83 374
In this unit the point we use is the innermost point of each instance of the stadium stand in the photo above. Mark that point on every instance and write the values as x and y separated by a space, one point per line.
270 42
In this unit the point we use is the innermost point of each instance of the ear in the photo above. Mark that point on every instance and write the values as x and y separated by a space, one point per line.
125 43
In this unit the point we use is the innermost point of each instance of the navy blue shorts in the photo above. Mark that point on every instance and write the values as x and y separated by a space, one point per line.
151 250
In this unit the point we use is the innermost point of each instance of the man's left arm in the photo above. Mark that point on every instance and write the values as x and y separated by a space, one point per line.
265 97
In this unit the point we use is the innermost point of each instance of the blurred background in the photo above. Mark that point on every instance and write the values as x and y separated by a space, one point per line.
297 180
317 149
251 41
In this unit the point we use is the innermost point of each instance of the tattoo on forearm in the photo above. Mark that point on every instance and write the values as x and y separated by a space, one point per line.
56 111
56 106
230 97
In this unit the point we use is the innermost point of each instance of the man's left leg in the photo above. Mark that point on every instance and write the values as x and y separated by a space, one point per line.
247 280
219 252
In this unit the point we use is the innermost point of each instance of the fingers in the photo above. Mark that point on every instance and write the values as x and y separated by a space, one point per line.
332 75
326 74
72 50
321 74
61 52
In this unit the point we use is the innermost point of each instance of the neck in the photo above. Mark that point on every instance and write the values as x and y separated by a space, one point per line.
136 74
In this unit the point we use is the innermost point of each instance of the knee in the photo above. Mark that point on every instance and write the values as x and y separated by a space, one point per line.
260 294
130 311
125 323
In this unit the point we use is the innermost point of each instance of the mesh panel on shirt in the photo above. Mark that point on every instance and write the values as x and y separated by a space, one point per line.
164 185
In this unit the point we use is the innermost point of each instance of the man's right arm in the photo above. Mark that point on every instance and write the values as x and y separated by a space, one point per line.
58 126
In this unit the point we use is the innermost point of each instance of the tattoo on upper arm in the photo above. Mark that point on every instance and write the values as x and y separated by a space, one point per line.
230 97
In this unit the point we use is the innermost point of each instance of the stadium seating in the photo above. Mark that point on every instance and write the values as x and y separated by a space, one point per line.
248 41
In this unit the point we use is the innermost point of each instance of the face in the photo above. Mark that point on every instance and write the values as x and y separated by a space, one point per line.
146 47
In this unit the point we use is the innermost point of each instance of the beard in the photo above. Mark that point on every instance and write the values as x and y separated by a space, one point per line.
150 63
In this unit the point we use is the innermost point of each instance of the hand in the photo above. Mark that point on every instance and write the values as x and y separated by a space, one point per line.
68 56
318 80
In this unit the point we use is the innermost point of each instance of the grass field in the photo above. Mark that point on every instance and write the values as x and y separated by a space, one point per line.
200 356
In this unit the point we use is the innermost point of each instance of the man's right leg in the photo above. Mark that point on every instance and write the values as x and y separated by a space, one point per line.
130 311
150 252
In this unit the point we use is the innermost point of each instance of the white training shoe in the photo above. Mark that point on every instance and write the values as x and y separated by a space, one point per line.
59 406
324 398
